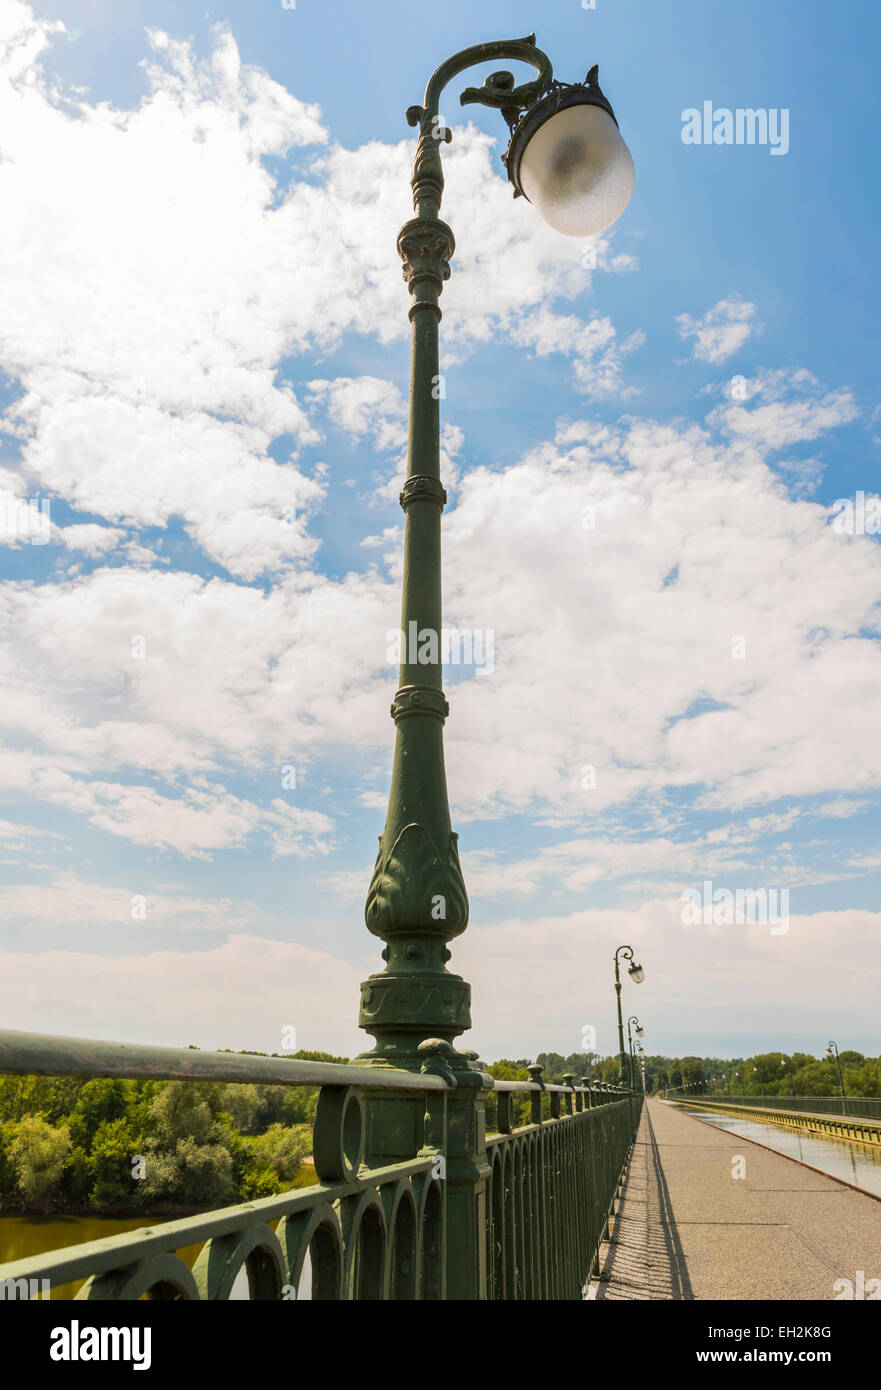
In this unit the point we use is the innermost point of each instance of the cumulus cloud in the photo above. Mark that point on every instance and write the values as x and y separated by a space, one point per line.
616 595
365 405
722 331
615 598
747 977
76 902
777 408
94 540
241 993
155 273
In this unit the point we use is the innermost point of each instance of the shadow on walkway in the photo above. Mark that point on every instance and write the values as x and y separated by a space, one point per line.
644 1257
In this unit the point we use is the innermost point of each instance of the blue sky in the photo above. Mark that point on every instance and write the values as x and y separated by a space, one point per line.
205 369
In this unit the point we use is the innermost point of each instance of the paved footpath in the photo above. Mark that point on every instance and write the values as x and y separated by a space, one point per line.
687 1229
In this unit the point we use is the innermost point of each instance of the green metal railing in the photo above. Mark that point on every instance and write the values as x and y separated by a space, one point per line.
551 1191
536 1198
860 1107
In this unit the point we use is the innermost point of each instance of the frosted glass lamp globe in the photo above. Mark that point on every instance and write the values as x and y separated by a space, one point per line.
570 160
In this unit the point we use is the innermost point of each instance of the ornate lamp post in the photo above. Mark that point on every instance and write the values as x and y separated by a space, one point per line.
637 974
567 157
791 1082
640 1050
832 1051
640 1032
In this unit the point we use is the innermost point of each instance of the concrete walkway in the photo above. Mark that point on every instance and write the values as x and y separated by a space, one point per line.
687 1229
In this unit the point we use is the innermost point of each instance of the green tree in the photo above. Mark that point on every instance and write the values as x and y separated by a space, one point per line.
98 1101
242 1104
282 1150
38 1153
187 1149
114 1184
8 1178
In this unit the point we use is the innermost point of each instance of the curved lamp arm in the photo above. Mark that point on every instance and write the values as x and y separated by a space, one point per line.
498 90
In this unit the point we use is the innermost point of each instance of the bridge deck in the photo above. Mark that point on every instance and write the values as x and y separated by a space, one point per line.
686 1229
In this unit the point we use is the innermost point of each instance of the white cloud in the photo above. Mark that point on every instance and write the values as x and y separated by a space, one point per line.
747 976
722 331
781 408
612 648
154 274
74 903
240 994
94 540
365 405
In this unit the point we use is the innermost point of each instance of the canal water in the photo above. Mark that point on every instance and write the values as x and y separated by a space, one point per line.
24 1235
856 1163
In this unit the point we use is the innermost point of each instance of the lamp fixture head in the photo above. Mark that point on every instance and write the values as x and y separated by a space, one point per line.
568 158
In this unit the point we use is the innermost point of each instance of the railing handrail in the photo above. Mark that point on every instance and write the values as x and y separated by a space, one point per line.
554 1086
100 1256
776 1095
48 1054
44 1054
866 1109
371 1227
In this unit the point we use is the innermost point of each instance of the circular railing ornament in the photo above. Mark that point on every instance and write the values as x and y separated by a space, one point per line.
339 1134
255 1249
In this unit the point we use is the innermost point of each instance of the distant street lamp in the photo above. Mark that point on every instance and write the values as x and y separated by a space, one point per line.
791 1082
761 1083
567 157
640 1032
641 1056
637 974
832 1051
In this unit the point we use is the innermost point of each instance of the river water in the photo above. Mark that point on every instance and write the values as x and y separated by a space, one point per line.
24 1234
856 1163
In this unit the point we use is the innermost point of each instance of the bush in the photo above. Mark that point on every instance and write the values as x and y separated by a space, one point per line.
282 1150
38 1153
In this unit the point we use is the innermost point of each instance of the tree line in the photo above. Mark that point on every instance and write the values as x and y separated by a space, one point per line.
128 1146
125 1147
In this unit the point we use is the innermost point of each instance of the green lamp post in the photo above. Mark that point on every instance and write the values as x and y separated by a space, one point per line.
791 1082
566 157
640 1052
832 1051
640 1032
637 974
